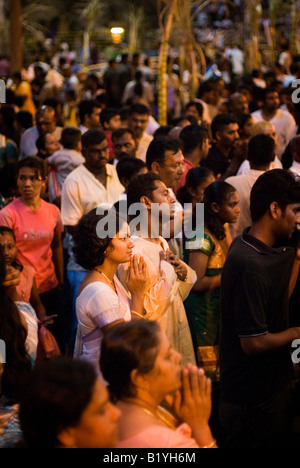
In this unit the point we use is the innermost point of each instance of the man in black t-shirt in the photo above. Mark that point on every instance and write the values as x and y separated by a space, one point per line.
255 338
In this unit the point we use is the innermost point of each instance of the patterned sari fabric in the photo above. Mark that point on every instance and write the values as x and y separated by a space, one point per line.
203 309
10 430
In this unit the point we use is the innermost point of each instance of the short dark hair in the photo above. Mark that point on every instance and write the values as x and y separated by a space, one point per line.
34 163
142 185
196 104
25 119
17 74
70 137
48 405
126 347
243 119
88 247
261 149
5 229
195 177
86 107
120 132
268 90
93 77
94 136
188 118
128 166
107 114
206 86
140 109
220 121
163 130
40 143
278 185
191 136
157 148
295 144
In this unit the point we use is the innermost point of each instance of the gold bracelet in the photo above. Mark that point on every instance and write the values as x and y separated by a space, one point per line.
214 442
137 314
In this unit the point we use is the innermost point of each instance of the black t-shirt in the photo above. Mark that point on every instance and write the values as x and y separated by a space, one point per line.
216 161
254 301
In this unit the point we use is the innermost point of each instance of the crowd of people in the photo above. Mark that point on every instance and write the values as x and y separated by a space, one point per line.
164 261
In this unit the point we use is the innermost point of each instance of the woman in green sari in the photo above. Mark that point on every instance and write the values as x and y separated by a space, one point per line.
207 256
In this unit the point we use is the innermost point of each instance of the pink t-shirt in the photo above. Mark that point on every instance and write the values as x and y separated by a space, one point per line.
34 231
161 437
181 183
26 281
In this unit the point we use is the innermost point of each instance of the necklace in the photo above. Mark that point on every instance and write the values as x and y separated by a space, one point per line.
160 413
104 276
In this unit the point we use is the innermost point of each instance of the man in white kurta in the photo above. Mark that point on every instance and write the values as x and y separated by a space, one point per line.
166 287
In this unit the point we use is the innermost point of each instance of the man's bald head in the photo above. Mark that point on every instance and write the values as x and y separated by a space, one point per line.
45 120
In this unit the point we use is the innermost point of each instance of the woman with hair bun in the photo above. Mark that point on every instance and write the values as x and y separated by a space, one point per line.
102 301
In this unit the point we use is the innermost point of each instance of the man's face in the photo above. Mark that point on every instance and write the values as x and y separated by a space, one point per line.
228 135
114 123
205 148
46 122
96 156
272 132
124 145
138 124
161 196
272 101
93 119
98 424
193 111
172 168
288 221
51 144
239 105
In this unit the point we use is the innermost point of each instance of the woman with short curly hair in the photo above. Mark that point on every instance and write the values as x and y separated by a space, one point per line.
102 301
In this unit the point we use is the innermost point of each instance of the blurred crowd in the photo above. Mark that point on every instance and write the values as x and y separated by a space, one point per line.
181 337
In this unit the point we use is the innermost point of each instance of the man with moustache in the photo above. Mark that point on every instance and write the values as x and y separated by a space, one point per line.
222 158
282 120
164 157
138 120
169 280
45 123
124 144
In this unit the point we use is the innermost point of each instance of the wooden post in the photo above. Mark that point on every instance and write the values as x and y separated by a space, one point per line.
15 35
166 17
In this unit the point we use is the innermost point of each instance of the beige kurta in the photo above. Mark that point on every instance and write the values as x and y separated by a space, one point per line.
165 295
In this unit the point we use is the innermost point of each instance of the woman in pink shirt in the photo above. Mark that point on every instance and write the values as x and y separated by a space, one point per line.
37 226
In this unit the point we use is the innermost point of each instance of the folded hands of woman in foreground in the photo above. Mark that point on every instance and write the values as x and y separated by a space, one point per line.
142 371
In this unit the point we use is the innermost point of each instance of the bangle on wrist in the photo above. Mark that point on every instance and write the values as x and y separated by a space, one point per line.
214 442
137 314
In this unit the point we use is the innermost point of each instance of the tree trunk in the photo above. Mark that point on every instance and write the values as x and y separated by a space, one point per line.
251 16
86 47
15 34
163 57
162 83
